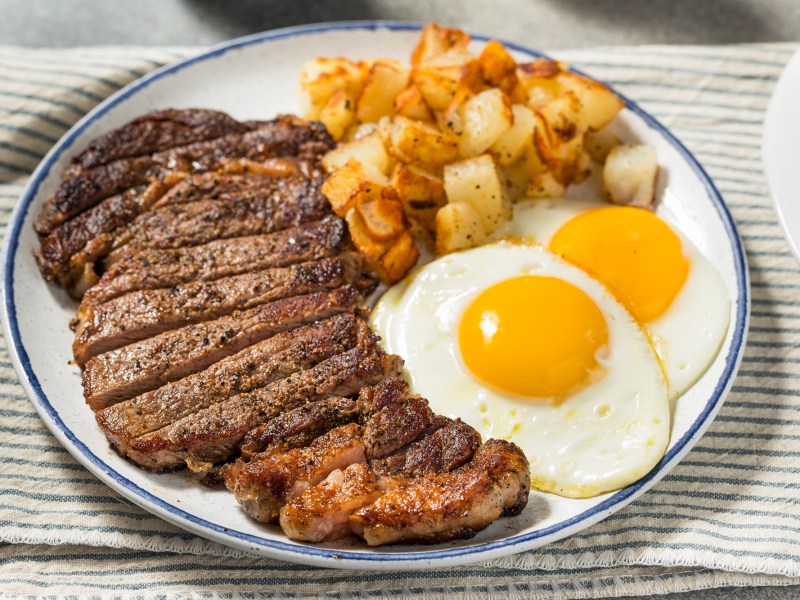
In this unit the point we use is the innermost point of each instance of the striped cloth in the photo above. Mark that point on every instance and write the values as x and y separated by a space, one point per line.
729 514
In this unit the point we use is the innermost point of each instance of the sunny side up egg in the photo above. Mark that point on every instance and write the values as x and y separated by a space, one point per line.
525 340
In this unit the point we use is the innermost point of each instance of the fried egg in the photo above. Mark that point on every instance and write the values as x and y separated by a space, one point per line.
526 347
669 287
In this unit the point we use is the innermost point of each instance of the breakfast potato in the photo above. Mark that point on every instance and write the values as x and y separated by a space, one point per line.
477 182
338 114
398 260
539 79
629 175
383 217
410 103
511 145
599 143
515 178
435 40
558 137
598 103
458 226
385 80
420 191
369 248
368 149
500 70
541 183
353 183
321 77
442 77
485 117
417 142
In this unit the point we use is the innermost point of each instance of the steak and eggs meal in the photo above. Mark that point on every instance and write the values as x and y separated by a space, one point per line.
388 318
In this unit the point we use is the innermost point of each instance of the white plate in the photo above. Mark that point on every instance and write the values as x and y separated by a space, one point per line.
779 151
256 77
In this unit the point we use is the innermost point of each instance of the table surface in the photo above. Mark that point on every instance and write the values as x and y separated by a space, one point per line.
539 23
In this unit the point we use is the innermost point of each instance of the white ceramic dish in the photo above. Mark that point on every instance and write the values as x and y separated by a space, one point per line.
256 77
779 151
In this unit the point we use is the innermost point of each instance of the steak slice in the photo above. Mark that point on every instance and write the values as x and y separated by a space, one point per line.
259 365
214 185
83 188
213 434
448 506
281 204
272 478
145 313
155 268
132 370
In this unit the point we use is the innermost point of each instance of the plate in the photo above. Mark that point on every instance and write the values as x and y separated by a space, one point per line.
256 77
779 151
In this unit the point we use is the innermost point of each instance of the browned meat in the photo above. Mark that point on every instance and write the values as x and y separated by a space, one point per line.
264 363
396 425
83 188
322 512
152 269
301 426
283 203
149 364
213 434
265 483
145 313
451 505
156 131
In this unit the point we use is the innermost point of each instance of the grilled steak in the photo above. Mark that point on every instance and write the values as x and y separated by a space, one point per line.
149 364
152 269
145 313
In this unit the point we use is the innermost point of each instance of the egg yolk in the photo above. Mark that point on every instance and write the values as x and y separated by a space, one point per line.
633 252
532 336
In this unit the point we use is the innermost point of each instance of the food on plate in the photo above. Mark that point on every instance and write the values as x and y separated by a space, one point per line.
221 326
478 128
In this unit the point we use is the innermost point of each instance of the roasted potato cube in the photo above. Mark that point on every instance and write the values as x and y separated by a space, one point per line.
398 260
541 183
477 182
386 79
500 70
421 192
369 248
410 103
351 184
539 78
321 77
598 103
435 40
438 83
383 218
338 114
416 142
458 226
630 174
485 117
558 137
511 145
515 179
366 150
599 143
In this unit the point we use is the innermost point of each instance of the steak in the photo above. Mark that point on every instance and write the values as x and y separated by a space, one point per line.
132 370
145 313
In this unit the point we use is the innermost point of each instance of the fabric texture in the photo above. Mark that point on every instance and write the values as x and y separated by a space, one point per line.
728 514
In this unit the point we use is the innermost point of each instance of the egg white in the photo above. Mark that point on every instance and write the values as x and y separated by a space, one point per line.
689 334
603 437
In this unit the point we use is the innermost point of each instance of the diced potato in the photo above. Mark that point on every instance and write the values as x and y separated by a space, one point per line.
477 182
416 142
558 137
451 119
515 179
458 226
410 103
541 183
383 218
423 233
629 175
367 150
511 145
599 143
386 79
598 103
500 70
439 83
435 40
398 260
321 77
369 248
421 192
353 183
338 114
540 80
485 118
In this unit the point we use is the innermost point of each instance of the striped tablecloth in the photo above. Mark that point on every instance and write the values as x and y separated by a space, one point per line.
729 514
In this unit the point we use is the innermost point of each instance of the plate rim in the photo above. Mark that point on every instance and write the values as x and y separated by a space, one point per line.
313 555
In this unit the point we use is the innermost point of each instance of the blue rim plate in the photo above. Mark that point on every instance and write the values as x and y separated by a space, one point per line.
37 336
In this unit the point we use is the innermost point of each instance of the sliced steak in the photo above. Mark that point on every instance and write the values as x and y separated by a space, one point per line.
132 370
448 506
145 313
265 483
152 269
213 434
263 363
